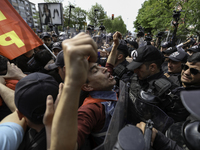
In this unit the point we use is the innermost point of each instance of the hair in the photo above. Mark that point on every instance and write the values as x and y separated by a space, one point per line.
194 58
157 62
3 63
135 45
44 6
43 57
122 52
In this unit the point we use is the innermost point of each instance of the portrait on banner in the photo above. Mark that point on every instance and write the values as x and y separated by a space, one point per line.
50 13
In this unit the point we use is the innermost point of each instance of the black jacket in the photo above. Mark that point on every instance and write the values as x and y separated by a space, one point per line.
163 143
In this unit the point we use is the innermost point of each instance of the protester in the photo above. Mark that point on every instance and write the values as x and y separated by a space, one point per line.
59 64
88 76
12 130
56 48
54 37
46 38
22 61
30 99
8 80
117 62
82 118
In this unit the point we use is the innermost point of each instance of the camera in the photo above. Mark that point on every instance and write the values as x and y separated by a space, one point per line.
148 38
176 15
102 27
90 27
159 35
141 32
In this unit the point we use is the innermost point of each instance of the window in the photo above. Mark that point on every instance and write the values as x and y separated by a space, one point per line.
14 1
21 7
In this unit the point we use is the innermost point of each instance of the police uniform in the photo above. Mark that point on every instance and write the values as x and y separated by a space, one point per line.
178 56
156 89
174 78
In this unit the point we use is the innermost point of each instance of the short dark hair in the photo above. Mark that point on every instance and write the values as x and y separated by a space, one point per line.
194 58
43 57
125 54
157 62
3 63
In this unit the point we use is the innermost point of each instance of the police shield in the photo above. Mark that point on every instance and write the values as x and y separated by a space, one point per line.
118 119
141 110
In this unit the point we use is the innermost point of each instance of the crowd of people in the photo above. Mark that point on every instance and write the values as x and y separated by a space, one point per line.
67 101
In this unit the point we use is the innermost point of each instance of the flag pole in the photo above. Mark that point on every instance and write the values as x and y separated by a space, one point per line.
49 51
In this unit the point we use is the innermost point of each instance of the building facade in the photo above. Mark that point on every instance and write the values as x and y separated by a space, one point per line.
27 11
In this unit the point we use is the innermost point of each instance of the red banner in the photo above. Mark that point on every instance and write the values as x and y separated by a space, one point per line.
16 37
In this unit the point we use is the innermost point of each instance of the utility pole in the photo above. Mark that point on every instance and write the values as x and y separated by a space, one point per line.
70 7
95 12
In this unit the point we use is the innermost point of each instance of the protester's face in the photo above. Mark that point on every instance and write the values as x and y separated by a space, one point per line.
54 39
174 66
56 51
187 78
142 72
47 41
99 78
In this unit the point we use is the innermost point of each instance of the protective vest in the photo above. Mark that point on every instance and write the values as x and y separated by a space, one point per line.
109 100
158 92
120 72
175 78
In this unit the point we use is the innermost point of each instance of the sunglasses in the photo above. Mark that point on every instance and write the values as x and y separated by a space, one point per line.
192 70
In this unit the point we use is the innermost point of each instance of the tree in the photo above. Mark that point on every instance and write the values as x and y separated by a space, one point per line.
96 14
155 15
190 17
115 25
77 18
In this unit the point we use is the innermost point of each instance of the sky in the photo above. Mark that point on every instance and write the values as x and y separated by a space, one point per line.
127 9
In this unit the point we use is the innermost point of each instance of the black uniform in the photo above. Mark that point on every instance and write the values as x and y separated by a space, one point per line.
158 90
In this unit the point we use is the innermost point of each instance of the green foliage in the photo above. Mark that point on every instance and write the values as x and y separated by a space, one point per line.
191 15
157 16
115 25
77 18
95 17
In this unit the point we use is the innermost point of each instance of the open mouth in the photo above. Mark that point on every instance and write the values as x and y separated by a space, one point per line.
110 76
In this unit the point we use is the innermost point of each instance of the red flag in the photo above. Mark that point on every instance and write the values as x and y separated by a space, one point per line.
16 37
